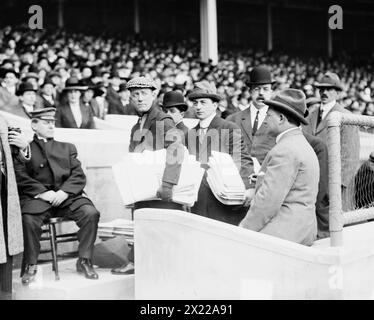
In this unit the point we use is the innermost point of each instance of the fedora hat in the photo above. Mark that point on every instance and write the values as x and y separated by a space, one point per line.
25 86
291 102
174 99
260 75
44 114
73 83
204 89
329 80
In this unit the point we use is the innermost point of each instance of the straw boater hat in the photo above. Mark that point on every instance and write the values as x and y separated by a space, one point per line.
204 89
73 83
292 102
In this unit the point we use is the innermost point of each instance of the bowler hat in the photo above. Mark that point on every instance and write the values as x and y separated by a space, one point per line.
174 99
4 71
25 86
44 114
122 87
291 102
204 89
30 75
47 81
260 75
329 80
73 83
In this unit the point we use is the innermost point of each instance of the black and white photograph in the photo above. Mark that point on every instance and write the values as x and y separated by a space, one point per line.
186 150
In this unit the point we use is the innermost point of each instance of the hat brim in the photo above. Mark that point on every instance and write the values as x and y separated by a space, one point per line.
20 92
166 106
283 107
249 83
80 88
45 118
327 85
214 97
141 87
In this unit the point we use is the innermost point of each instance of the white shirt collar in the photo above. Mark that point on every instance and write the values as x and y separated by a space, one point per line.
326 108
279 136
206 122
261 114
41 138
28 108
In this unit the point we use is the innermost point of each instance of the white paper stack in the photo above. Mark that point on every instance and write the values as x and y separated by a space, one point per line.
139 176
224 179
117 227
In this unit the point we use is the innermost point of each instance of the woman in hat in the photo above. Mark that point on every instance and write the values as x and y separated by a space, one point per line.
73 113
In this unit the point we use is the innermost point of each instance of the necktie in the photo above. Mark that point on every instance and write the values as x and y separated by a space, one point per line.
202 132
320 114
255 125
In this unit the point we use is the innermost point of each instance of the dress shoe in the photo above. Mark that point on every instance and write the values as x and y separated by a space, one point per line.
29 274
85 266
128 268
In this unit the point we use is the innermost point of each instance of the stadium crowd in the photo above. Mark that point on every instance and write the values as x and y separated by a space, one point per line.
103 63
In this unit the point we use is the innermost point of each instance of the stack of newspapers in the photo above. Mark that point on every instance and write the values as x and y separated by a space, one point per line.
139 176
224 179
117 227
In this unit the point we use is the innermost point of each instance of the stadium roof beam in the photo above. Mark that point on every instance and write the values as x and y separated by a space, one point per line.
208 31
136 17
60 14
269 28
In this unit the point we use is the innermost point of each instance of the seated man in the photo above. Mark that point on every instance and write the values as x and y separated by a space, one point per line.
286 191
51 185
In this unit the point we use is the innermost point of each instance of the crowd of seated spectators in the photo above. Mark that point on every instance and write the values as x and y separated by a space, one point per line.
105 63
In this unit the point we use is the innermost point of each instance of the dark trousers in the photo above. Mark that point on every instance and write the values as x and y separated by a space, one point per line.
86 218
208 206
5 268
154 204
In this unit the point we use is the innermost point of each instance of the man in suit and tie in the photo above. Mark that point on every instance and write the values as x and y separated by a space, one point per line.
48 93
154 130
51 185
121 103
74 114
252 120
216 134
11 239
174 105
329 88
287 185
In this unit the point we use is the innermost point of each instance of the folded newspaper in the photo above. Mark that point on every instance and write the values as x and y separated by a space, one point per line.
224 179
139 176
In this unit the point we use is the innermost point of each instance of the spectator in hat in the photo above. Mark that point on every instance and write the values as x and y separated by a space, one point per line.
329 88
287 185
123 105
213 133
48 94
252 120
100 97
154 130
8 88
51 185
73 113
174 105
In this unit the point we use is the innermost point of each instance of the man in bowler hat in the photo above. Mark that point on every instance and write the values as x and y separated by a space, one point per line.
252 120
50 185
287 185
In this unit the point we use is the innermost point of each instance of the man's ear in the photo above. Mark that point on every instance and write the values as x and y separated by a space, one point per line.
182 114
33 125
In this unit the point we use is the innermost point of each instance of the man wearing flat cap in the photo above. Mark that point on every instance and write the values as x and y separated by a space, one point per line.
154 130
51 185
287 184
252 120
74 114
329 88
213 133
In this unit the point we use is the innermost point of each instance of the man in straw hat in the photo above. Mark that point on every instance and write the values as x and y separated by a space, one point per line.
50 185
287 185
154 130
252 120
329 88
74 114
216 134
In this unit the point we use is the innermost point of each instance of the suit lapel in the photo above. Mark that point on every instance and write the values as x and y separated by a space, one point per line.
205 146
69 116
84 113
246 123
323 124
313 118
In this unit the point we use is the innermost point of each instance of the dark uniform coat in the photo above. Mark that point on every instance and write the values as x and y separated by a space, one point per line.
53 166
